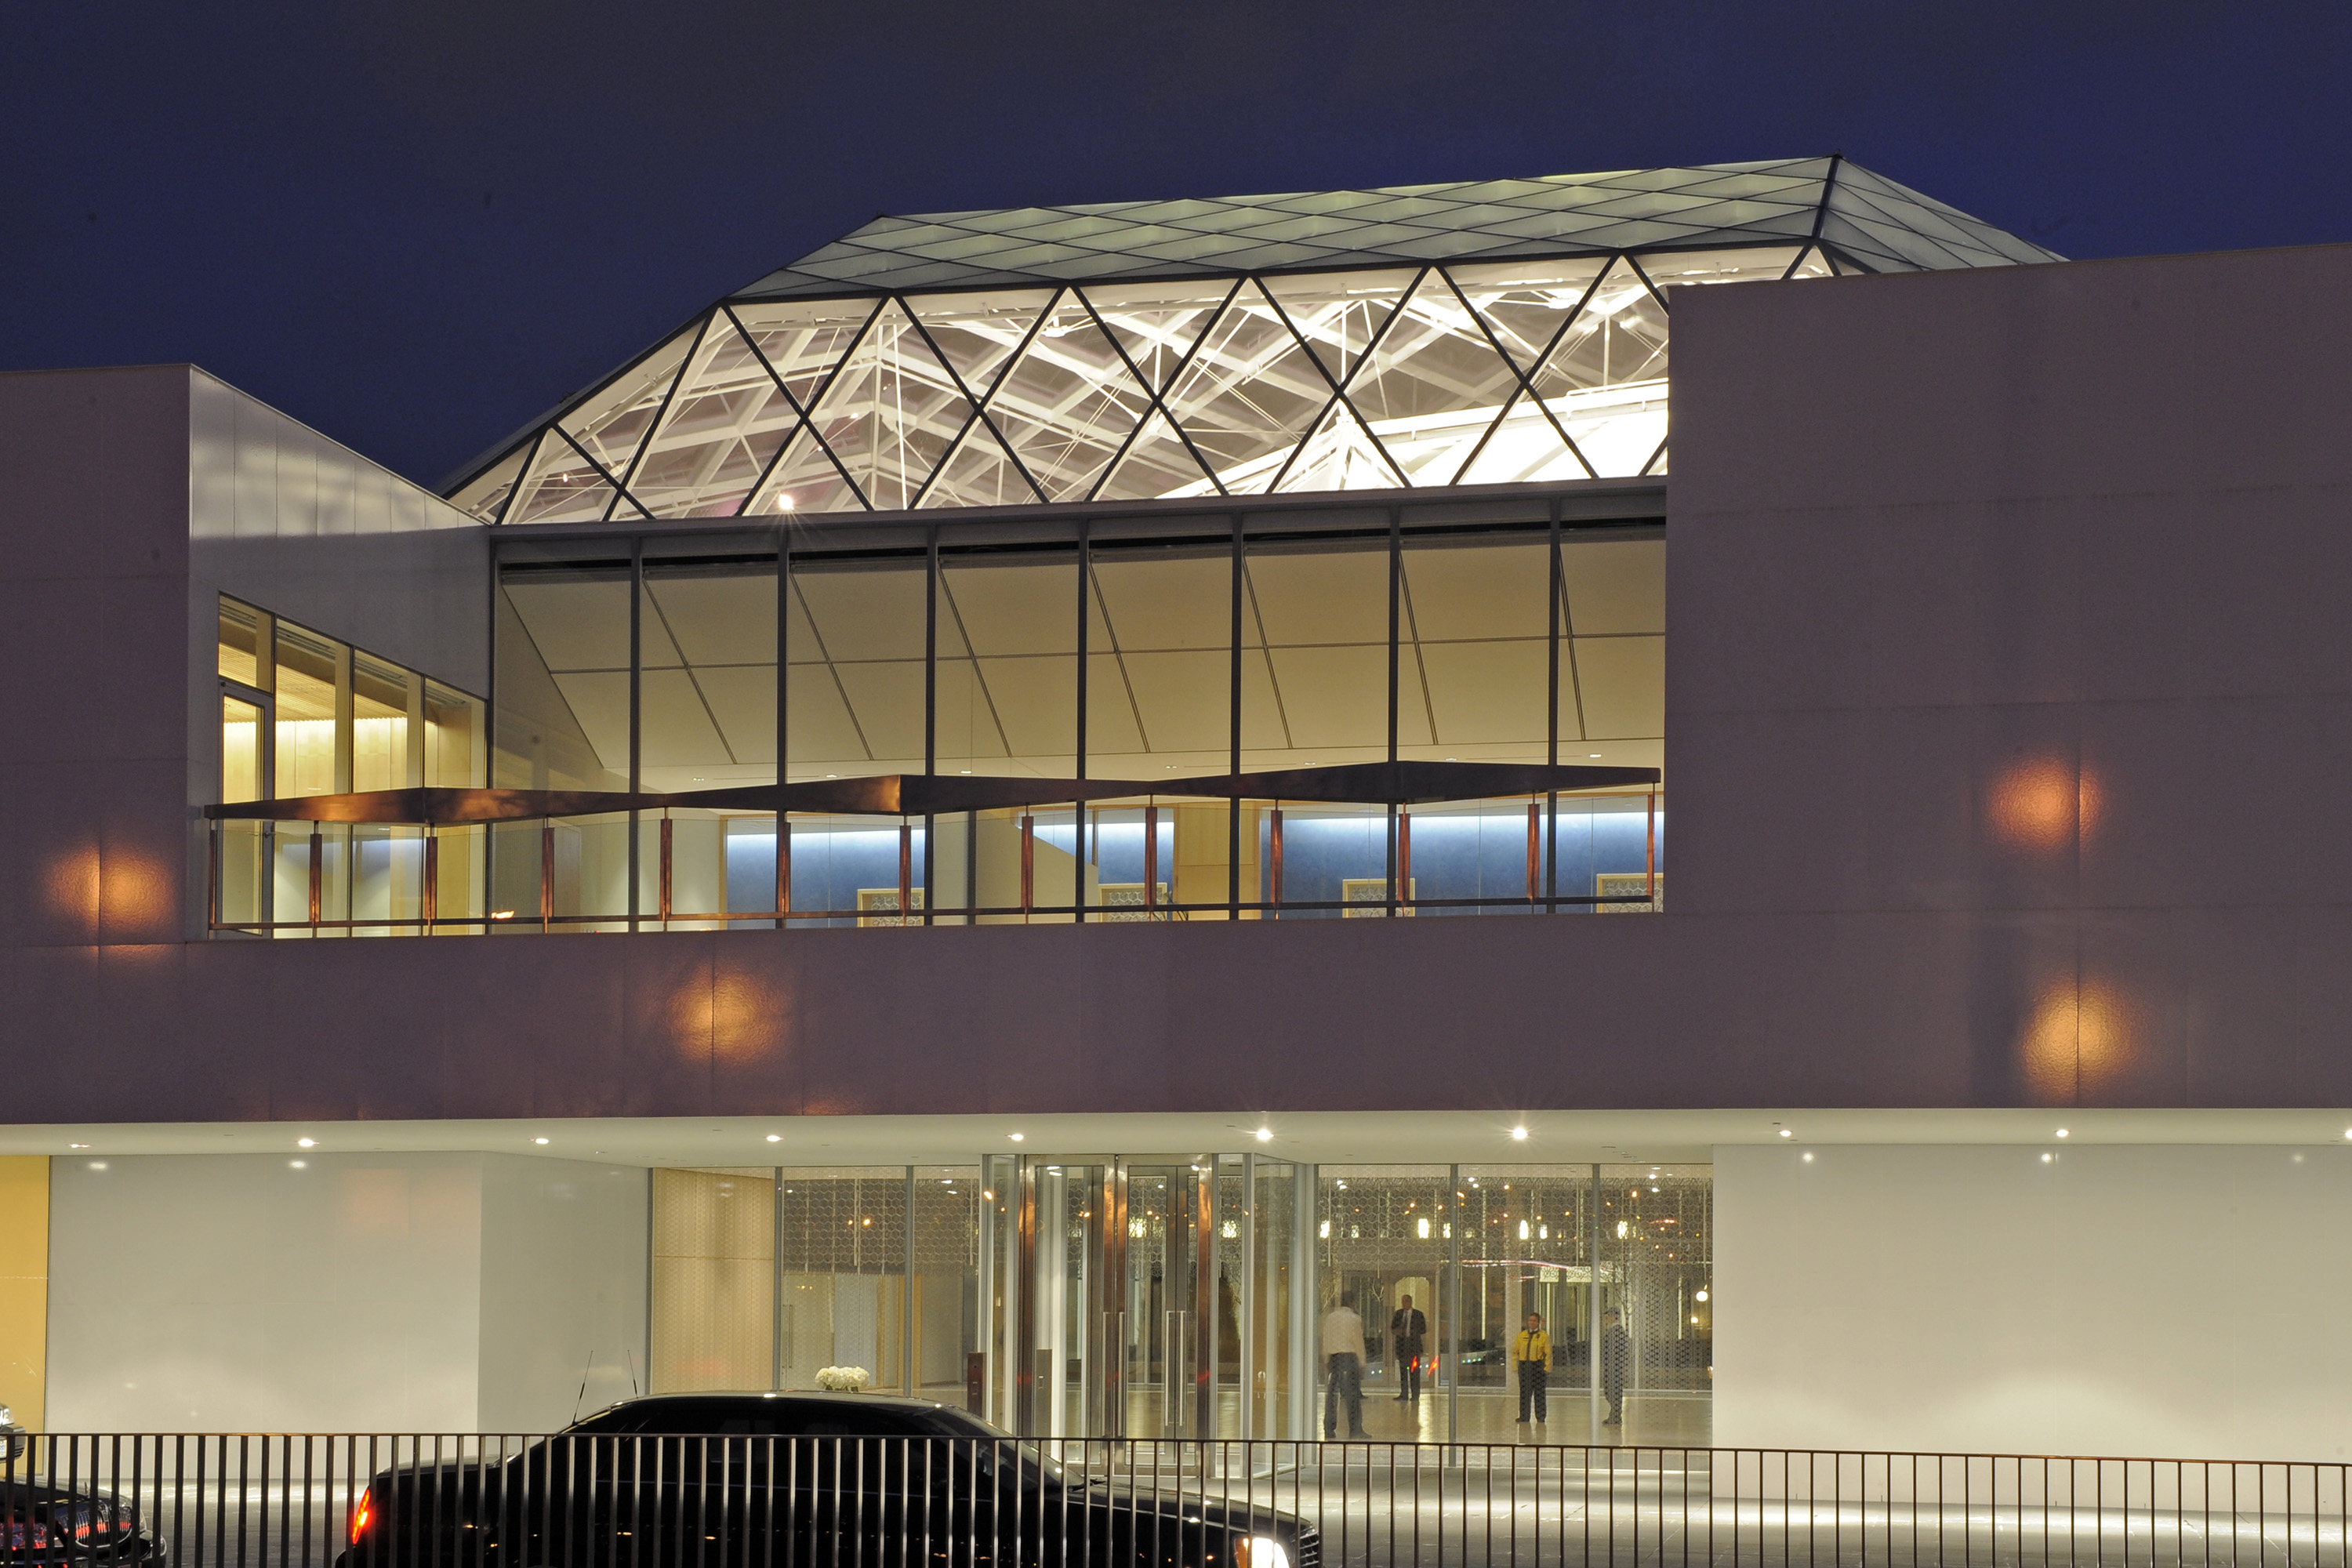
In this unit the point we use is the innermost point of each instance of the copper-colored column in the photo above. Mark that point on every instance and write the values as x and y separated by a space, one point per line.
1535 849
784 868
665 860
1274 847
546 874
317 870
1028 863
906 873
1404 857
1151 857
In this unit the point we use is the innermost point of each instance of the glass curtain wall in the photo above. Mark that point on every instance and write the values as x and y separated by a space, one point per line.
305 714
1480 1249
1131 649
763 1277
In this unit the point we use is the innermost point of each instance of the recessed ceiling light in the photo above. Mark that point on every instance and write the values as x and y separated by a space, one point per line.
1519 1133
1266 1134
775 1137
306 1142
1786 1133
298 1164
538 1140
1596 756
1809 1160
2061 1132
85 1145
1016 1137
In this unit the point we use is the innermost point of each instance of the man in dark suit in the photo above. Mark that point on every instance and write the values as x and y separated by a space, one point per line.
1408 1331
1616 1354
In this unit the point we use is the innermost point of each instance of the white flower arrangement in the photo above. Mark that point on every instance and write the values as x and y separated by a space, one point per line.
844 1379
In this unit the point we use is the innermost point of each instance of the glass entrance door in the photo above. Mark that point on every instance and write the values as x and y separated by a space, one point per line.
1146 1296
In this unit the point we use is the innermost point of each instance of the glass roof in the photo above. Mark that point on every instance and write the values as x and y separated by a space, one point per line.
1497 333
1877 223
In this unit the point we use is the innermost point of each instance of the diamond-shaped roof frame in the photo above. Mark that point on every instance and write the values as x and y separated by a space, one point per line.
1865 221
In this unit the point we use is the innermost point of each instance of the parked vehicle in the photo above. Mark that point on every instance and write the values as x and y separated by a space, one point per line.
43 1525
756 1478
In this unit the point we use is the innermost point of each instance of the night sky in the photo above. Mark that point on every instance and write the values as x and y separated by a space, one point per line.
416 224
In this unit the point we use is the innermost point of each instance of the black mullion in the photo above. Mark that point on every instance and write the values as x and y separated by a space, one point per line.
808 421
514 490
662 413
1086 606
1656 455
1526 377
636 712
602 471
1152 393
1553 576
1339 389
800 414
1799 261
1829 183
1546 358
785 704
979 404
1636 263
1396 576
931 655
555 421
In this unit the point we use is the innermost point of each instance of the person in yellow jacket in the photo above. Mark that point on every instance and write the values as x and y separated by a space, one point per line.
1532 1354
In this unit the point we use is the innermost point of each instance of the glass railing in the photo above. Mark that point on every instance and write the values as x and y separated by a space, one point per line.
473 863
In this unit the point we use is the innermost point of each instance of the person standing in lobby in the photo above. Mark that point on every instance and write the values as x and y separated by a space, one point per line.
1615 1352
1531 1352
1408 1330
1343 1358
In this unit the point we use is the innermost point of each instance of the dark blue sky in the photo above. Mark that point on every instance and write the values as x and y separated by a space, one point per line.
416 224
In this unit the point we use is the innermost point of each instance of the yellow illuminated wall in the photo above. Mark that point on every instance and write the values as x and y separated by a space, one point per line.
24 1285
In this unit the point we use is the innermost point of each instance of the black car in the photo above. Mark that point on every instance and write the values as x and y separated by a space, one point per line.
42 1524
747 1479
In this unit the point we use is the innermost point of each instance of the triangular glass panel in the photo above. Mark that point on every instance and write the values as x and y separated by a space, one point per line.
978 333
1431 385
1340 456
1067 405
888 414
1523 446
803 342
1157 323
1609 368
1249 394
1760 264
1340 313
610 422
725 423
1156 464
978 473
485 494
562 487
1526 303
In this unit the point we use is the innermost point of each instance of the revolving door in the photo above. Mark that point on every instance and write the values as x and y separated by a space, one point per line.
1144 1296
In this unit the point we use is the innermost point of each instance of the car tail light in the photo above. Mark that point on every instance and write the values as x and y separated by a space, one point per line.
363 1515
23 1535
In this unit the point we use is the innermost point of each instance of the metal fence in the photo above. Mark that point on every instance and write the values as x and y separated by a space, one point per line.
836 1501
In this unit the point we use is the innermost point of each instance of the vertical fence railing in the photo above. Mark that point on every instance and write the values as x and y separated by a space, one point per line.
474 1500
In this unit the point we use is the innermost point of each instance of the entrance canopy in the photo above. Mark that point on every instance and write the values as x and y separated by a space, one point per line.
1497 332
